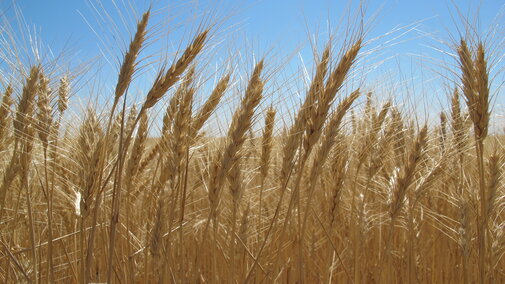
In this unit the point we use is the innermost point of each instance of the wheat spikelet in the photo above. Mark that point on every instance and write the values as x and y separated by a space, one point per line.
89 146
131 120
210 105
129 62
316 89
480 112
266 146
303 116
44 117
175 139
179 136
468 73
26 104
407 173
241 122
338 167
398 138
5 109
457 121
371 135
235 179
22 134
151 154
264 163
167 128
475 86
335 80
242 118
171 110
63 93
322 153
136 152
167 79
338 75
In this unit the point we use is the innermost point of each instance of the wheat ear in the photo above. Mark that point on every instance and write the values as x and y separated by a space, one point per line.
130 59
5 109
167 79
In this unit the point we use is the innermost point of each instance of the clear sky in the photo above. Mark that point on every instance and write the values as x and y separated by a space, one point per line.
274 28
269 21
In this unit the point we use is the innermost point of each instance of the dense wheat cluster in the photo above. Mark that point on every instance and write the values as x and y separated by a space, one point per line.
346 192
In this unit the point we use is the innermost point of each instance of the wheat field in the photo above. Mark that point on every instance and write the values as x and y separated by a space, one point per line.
352 189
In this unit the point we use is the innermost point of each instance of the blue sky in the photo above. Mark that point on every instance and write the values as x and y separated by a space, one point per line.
277 29
266 20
